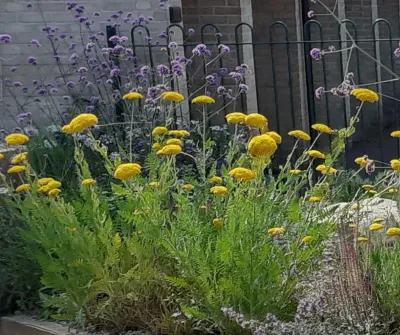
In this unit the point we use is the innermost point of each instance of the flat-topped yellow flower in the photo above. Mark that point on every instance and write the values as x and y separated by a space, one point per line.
235 118
23 188
393 190
203 99
16 169
16 139
315 154
395 164
367 187
216 180
278 231
44 181
179 133
363 162
307 239
324 169
242 174
362 239
257 120
43 189
357 207
376 227
373 192
19 158
53 185
157 146
188 187
275 136
395 133
393 231
127 171
89 182
1 156
262 146
172 96
315 199
175 141
378 220
157 131
352 225
219 190
132 96
365 95
217 223
170 149
55 192
322 128
295 171
299 134
81 123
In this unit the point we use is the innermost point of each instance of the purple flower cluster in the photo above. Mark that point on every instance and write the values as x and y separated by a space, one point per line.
243 88
32 60
316 54
201 50
224 48
319 93
397 52
212 79
4 38
177 68
162 70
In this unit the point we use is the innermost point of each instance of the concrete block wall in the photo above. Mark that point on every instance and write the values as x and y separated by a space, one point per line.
24 20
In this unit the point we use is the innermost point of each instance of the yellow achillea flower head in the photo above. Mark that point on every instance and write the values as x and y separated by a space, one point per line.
299 134
324 169
179 133
376 227
1 156
43 189
315 154
372 192
296 171
367 187
395 133
216 180
219 190
44 181
315 199
307 239
16 169
362 239
203 207
17 139
89 182
188 187
262 146
55 192
127 171
172 96
362 161
53 185
132 96
357 207
256 120
352 225
80 123
236 118
365 95
242 174
276 231
159 131
393 231
155 184
19 158
395 164
157 146
203 99
217 223
170 149
393 190
23 188
175 141
378 220
72 230
275 136
322 128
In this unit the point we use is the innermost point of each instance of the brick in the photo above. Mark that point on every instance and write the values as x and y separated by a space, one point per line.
34 17
143 5
227 10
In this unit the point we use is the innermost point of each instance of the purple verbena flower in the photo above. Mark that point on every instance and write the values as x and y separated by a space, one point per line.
32 60
17 84
5 38
191 31
82 70
221 90
57 58
115 72
319 92
162 70
13 69
397 52
163 35
212 79
243 88
172 45
223 71
316 53
71 84
200 50
224 48
310 14
89 109
35 42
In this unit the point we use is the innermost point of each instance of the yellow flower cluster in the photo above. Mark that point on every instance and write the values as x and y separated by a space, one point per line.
216 180
315 154
217 223
19 158
172 96
367 187
278 231
89 182
179 133
155 184
203 99
132 96
393 231
315 199
275 136
23 188
219 190
127 171
17 139
395 133
170 149
324 169
80 123
236 118
16 169
299 134
295 171
158 131
262 146
322 128
49 186
1 156
307 239
242 174
175 141
395 164
363 162
376 227
365 95
188 187
257 120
